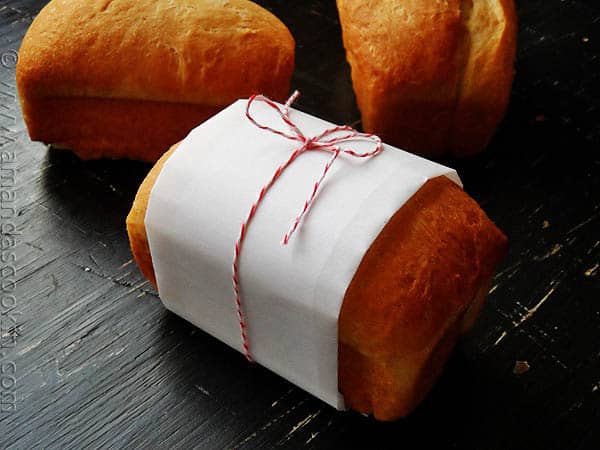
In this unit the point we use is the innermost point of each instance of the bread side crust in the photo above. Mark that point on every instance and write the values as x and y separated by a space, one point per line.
418 288
210 52
107 128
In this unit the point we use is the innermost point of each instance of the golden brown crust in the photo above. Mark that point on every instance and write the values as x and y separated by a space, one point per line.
415 69
202 52
418 288
487 76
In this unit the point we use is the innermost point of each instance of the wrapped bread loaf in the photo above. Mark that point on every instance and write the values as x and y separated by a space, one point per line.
128 78
431 76
419 286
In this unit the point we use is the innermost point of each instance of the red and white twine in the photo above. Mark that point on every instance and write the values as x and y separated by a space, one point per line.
329 141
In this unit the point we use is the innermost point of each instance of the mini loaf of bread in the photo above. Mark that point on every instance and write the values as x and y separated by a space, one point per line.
431 76
128 78
418 288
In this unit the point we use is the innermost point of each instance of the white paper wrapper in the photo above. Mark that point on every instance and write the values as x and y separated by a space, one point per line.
291 294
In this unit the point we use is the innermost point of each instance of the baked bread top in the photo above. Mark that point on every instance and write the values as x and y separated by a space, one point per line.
197 51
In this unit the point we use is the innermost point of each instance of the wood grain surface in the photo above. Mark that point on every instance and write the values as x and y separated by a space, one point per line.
90 359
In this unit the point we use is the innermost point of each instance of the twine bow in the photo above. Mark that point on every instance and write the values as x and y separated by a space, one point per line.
331 141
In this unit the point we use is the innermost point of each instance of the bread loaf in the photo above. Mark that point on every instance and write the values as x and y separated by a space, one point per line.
431 76
128 78
417 289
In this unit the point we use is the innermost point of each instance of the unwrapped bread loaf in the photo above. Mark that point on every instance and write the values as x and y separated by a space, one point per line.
128 78
419 287
431 76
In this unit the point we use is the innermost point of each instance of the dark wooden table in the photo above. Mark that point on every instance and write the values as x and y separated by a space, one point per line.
93 360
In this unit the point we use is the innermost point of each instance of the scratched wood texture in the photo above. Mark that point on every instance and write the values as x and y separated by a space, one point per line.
93 360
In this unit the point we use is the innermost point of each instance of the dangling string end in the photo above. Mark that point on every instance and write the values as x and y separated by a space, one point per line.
291 100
